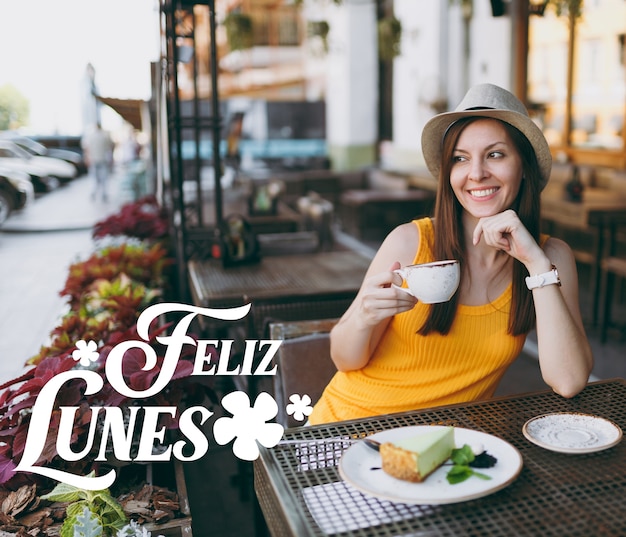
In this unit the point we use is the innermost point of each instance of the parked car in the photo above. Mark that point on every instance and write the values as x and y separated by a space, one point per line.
38 149
16 192
45 172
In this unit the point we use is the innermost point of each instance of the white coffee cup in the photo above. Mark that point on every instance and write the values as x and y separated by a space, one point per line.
432 282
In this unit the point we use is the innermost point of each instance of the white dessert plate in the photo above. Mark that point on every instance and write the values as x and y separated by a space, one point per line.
360 466
572 433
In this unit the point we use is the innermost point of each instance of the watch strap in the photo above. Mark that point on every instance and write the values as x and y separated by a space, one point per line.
541 280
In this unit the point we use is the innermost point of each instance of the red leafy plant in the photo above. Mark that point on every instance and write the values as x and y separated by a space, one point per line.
141 263
143 219
16 403
106 294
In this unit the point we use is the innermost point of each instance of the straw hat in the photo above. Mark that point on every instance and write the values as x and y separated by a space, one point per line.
486 100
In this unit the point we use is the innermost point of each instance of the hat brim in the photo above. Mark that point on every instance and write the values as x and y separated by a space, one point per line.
435 129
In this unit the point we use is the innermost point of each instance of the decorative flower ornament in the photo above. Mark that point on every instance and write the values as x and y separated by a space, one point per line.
86 352
248 424
300 407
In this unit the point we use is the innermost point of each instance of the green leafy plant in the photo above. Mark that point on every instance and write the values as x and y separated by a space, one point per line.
464 461
238 30
319 29
89 513
566 7
93 514
142 263
389 36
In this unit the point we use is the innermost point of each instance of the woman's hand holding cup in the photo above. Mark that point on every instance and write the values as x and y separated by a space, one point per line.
431 283
378 300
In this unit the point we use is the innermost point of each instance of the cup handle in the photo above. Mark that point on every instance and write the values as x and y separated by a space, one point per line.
402 289
400 272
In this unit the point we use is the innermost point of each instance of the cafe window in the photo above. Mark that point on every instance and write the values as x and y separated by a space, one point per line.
577 81
275 26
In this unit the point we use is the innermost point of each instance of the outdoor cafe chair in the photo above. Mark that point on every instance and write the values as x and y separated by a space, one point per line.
303 362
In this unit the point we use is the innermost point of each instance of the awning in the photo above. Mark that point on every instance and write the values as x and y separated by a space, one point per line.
129 109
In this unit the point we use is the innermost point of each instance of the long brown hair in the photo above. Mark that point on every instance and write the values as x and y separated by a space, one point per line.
450 239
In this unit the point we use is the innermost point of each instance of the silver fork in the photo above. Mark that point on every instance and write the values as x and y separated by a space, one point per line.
369 442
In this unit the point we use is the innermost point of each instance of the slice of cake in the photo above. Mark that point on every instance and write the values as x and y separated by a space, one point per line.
414 458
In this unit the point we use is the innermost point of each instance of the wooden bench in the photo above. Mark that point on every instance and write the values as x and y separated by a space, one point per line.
372 214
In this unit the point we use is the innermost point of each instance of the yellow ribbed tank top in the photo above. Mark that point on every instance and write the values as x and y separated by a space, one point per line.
408 371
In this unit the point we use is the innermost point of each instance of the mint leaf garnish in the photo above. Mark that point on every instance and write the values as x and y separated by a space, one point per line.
463 459
458 474
462 456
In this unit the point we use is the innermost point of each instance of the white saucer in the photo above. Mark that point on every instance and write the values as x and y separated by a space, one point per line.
572 433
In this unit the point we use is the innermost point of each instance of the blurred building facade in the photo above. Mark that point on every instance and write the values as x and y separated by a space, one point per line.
568 67
310 84
578 86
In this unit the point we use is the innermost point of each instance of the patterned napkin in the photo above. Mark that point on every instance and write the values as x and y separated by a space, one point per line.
338 507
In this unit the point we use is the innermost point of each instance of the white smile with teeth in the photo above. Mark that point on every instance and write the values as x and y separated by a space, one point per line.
483 193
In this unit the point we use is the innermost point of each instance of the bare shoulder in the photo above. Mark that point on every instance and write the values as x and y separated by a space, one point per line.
400 245
558 250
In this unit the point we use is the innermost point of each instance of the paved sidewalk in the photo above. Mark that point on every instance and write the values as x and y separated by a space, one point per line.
37 247
68 207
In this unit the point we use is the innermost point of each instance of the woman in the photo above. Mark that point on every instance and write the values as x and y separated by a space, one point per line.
394 353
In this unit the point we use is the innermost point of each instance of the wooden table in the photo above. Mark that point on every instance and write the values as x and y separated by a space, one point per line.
555 494
600 212
372 214
304 276
319 285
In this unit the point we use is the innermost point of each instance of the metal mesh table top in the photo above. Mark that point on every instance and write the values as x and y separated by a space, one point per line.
555 494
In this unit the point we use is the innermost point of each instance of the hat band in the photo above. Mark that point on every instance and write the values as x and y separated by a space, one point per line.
479 108
445 133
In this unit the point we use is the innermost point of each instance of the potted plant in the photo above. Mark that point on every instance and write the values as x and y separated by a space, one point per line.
389 36
106 294
571 7
239 30
319 29
143 219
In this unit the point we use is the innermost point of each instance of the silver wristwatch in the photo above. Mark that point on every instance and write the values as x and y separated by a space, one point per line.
541 280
